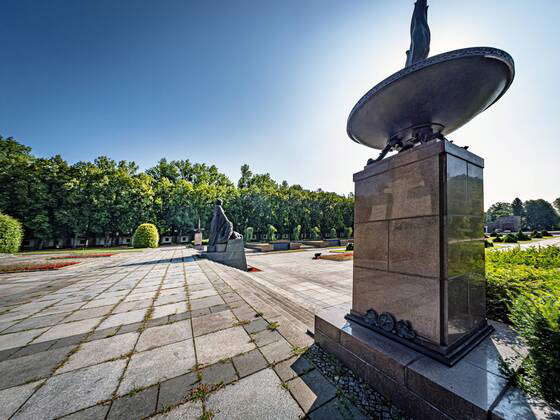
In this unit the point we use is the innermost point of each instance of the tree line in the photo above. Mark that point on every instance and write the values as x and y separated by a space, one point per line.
535 214
104 198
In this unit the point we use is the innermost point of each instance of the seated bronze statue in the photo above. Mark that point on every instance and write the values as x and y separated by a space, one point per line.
221 229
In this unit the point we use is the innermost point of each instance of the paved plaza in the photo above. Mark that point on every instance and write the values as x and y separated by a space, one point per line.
162 333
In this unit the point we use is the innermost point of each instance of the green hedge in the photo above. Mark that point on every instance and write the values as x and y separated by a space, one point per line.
146 236
11 234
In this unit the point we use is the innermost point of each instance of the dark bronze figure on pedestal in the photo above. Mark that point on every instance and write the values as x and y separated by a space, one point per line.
419 34
221 229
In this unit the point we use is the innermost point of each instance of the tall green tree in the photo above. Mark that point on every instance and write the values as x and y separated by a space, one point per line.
540 214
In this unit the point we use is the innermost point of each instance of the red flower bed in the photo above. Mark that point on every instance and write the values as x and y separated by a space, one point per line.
17 268
64 257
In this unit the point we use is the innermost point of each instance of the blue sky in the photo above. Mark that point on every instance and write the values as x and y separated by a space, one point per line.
264 83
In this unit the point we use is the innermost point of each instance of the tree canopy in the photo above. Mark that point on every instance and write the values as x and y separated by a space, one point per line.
104 198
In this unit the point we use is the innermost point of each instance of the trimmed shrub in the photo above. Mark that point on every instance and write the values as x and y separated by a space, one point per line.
11 234
545 233
296 234
494 234
488 244
537 320
333 233
348 231
510 238
350 246
522 237
248 234
315 233
498 239
145 236
271 233
536 234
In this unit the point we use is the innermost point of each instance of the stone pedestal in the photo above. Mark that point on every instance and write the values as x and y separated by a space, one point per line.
232 253
198 241
419 252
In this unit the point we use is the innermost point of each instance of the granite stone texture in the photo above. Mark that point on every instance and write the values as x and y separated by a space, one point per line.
419 253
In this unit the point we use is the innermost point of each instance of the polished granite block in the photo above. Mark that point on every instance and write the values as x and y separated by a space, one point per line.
474 388
374 248
414 246
475 190
407 297
406 191
456 185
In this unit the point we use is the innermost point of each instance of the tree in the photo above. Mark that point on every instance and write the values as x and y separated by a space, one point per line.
498 210
517 207
557 205
540 214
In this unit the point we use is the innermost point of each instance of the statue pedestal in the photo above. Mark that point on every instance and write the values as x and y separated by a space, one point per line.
419 287
232 254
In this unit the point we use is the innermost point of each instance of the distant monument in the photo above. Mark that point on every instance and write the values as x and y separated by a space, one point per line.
198 238
419 289
225 245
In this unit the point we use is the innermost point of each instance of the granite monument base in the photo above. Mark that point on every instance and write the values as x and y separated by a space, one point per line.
474 388
232 253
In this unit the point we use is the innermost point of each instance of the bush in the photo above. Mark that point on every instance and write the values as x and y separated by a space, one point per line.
248 234
522 237
271 233
145 236
315 233
537 320
510 238
333 233
498 239
348 231
488 244
494 234
545 233
11 234
350 246
297 233
536 234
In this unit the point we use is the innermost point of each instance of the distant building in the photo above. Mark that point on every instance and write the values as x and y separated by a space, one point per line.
501 224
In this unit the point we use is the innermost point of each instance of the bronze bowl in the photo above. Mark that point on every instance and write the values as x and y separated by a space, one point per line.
442 92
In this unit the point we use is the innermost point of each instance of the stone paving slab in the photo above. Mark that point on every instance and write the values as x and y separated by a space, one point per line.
134 335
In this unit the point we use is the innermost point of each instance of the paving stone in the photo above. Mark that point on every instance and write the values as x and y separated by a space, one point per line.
89 313
59 308
249 363
86 386
165 334
203 325
67 341
18 339
6 354
339 408
33 367
295 366
206 302
202 293
237 401
95 412
221 372
175 390
222 344
311 390
277 351
170 309
256 326
138 406
123 329
189 410
12 398
101 302
158 321
219 308
32 349
69 329
231 297
36 322
179 317
133 306
152 366
98 351
200 312
104 333
165 300
266 337
123 318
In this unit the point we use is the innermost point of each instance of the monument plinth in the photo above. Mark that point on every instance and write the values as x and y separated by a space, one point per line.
419 251
417 329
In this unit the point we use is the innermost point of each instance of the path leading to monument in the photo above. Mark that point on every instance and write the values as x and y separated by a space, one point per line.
543 243
159 333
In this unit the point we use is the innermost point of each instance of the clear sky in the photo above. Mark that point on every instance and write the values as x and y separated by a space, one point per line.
268 83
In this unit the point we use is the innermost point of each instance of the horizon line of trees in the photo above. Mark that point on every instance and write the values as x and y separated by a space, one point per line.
535 214
104 198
